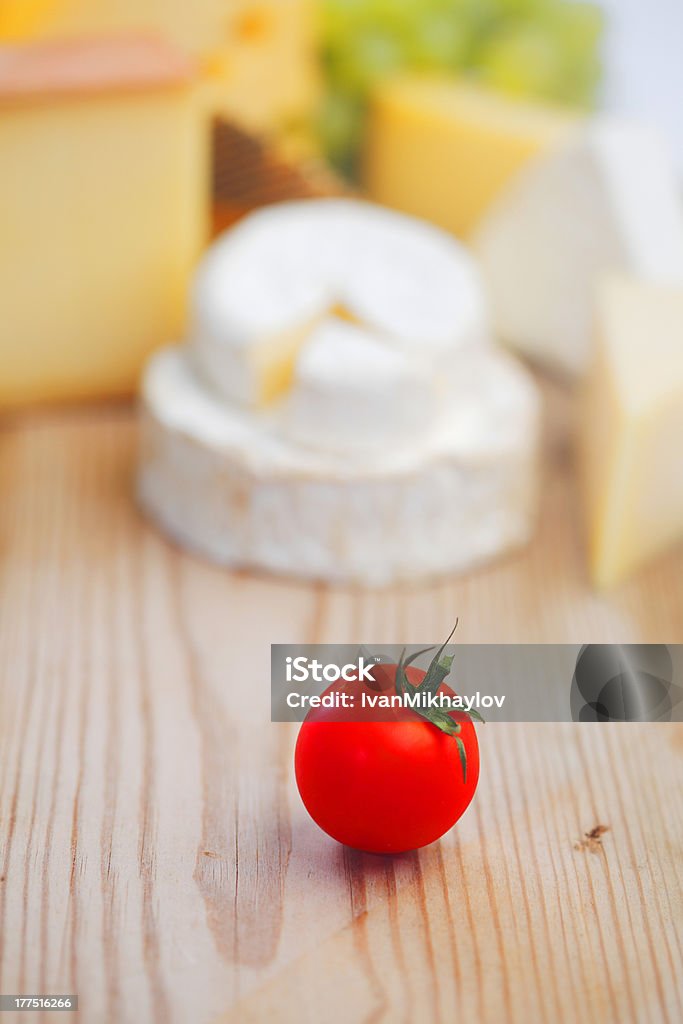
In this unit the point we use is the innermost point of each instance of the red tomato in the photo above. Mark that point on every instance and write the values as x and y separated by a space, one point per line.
384 786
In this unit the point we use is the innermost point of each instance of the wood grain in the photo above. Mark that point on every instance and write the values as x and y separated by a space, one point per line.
154 856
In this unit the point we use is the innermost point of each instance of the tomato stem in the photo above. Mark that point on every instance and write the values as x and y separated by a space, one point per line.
439 668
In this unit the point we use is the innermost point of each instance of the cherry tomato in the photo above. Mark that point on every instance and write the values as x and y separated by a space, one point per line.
389 785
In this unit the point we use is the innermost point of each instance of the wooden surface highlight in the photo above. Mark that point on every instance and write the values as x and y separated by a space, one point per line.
155 857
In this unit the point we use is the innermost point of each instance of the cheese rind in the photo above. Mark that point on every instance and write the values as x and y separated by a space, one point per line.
98 66
257 56
226 484
444 150
285 268
96 256
608 201
631 429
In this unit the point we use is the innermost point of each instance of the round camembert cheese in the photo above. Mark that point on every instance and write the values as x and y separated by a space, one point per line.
338 412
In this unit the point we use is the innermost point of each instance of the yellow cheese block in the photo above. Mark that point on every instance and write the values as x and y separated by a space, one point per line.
444 150
104 209
631 429
21 18
262 71
258 55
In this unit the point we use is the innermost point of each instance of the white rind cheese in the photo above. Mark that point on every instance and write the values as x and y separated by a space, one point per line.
266 284
227 484
606 201
337 412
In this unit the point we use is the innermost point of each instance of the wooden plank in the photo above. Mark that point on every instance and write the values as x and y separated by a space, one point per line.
154 855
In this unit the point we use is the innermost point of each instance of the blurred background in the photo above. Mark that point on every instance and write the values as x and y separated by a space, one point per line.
642 73
133 133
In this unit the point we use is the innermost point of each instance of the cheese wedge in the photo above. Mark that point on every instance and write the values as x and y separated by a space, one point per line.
352 392
444 150
103 179
265 285
632 429
224 482
258 56
608 201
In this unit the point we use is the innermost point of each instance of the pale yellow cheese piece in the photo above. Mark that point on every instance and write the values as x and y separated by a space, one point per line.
272 363
631 429
262 70
103 199
258 56
273 360
444 150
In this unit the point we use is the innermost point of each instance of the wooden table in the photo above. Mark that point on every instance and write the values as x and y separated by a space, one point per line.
155 857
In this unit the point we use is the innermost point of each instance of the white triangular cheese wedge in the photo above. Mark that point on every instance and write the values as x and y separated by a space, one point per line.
608 200
352 392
